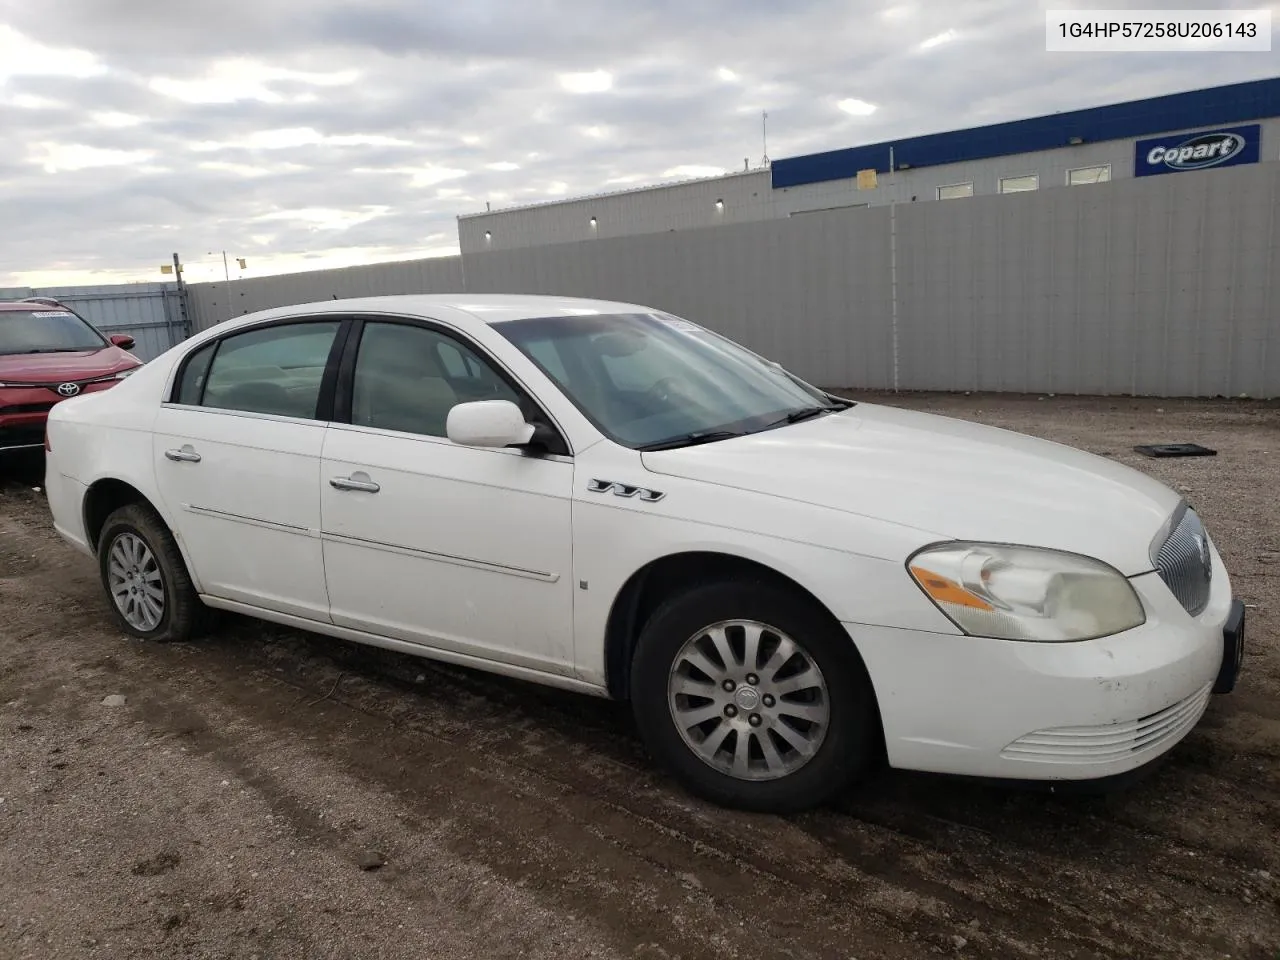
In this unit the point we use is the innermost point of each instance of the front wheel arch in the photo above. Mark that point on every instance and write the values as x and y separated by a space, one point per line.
659 580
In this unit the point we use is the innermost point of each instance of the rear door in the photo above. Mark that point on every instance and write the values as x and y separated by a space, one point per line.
237 460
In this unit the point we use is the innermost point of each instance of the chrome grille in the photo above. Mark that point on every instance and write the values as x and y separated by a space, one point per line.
1184 563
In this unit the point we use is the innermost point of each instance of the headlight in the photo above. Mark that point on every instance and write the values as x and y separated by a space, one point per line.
1025 593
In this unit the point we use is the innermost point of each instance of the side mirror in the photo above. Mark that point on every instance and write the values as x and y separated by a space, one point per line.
122 340
488 423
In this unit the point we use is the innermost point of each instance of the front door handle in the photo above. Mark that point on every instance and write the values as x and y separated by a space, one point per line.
185 455
353 483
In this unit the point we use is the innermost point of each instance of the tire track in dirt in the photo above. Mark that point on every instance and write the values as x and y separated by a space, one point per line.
553 791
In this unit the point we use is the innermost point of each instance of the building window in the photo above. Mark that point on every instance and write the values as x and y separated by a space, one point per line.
954 190
1098 174
1020 184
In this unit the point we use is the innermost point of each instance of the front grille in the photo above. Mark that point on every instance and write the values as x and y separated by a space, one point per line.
21 436
27 408
1113 741
1184 563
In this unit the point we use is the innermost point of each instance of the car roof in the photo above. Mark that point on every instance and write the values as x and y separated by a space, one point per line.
12 305
486 308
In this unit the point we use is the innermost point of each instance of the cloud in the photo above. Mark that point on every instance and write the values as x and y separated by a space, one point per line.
61 157
938 39
308 132
596 81
22 56
857 108
227 81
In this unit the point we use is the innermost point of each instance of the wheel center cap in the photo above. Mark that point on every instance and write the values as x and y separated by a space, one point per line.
747 698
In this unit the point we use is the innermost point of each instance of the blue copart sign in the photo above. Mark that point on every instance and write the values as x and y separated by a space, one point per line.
1179 152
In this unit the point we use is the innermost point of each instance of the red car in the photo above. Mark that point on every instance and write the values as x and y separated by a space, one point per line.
48 352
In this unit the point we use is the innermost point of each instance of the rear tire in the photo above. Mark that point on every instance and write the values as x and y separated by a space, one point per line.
145 578
780 732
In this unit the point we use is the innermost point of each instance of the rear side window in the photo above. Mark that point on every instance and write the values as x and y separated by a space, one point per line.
275 370
194 374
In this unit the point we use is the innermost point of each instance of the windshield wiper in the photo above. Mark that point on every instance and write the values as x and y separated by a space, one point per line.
690 439
47 350
806 413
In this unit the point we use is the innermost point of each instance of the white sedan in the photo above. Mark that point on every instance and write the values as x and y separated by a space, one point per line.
786 585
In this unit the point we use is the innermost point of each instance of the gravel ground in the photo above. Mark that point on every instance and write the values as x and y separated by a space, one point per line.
266 793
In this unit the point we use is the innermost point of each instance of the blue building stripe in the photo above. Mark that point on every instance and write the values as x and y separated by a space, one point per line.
1215 106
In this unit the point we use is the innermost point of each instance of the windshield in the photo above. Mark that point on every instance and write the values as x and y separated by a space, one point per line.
647 379
46 330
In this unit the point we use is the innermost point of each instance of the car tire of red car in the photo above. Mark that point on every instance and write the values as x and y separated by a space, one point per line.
781 770
145 578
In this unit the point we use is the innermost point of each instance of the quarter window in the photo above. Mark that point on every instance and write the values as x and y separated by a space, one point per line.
408 378
275 369
194 375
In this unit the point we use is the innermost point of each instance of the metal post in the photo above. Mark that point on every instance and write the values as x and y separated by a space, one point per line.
226 272
893 284
182 297
893 263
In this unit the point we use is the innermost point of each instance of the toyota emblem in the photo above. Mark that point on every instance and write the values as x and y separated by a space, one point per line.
68 389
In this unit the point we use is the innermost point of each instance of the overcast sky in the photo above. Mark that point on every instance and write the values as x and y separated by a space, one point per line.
306 133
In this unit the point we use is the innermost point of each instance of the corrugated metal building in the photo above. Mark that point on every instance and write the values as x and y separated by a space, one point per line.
1220 127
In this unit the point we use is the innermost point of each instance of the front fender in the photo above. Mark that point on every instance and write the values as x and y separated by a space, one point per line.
613 541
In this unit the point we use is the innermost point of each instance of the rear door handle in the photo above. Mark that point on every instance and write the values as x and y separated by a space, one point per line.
185 455
352 483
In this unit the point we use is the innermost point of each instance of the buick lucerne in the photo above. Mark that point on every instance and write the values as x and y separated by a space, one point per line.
787 586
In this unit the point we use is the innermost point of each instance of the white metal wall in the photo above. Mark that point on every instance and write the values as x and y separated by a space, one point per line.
1163 286
749 197
679 206
212 303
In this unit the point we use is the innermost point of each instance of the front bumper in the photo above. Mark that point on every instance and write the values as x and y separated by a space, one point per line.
24 410
1053 711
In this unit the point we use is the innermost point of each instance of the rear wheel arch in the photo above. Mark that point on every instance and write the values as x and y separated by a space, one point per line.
109 494
103 498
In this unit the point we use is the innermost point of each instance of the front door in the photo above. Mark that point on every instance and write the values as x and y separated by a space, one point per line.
462 549
237 460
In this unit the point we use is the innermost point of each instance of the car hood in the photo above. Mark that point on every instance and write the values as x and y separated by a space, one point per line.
946 478
56 367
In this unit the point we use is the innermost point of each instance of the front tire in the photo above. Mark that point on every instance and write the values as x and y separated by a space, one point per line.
145 579
753 697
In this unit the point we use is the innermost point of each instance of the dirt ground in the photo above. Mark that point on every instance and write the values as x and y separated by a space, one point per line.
231 806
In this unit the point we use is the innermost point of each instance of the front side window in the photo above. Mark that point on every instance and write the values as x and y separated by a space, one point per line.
408 378
650 379
46 330
276 369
